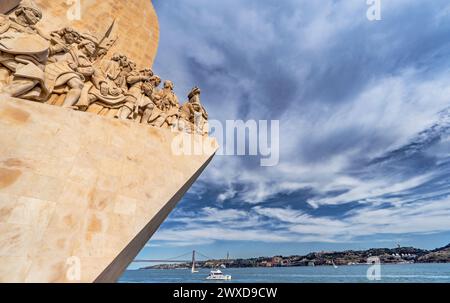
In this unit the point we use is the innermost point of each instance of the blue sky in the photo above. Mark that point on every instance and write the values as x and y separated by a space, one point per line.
364 110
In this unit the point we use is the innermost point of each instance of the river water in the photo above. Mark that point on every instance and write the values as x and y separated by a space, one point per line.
401 273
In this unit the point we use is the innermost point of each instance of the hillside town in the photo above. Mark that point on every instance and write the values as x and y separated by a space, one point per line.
399 255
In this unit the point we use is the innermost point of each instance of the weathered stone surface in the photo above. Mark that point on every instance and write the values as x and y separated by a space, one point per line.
75 186
136 22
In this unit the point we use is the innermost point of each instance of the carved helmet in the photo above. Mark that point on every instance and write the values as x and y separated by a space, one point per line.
66 31
30 4
168 84
155 79
194 91
146 72
70 30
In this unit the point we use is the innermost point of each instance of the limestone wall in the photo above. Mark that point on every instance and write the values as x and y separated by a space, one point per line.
76 187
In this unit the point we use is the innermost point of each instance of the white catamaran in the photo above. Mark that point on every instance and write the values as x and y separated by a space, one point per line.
217 275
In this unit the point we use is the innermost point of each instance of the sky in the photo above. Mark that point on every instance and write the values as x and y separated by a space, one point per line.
364 111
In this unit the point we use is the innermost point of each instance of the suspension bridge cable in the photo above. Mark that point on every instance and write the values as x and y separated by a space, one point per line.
208 258
178 257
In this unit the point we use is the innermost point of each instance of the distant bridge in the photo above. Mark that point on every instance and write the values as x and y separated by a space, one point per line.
162 261
175 259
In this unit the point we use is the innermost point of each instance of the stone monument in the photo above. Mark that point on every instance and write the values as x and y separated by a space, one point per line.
89 167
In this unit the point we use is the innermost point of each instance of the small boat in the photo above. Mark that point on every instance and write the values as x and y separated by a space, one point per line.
217 275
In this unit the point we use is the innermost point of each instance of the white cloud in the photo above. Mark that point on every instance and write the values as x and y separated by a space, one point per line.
288 225
395 108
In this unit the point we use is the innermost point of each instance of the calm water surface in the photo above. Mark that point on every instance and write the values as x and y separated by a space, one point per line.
401 273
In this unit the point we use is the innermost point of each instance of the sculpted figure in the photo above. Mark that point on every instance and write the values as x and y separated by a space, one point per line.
166 112
24 52
24 18
108 85
73 69
134 95
194 114
151 93
62 42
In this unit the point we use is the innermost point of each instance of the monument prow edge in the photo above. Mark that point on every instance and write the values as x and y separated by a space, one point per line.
119 265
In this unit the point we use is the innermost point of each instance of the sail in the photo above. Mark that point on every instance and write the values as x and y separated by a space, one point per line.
193 263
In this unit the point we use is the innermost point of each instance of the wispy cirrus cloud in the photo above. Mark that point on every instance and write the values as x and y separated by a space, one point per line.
275 225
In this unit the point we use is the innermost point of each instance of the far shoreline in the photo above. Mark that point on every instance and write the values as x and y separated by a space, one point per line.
382 256
277 267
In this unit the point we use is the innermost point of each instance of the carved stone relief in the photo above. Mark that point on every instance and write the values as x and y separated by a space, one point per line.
73 69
